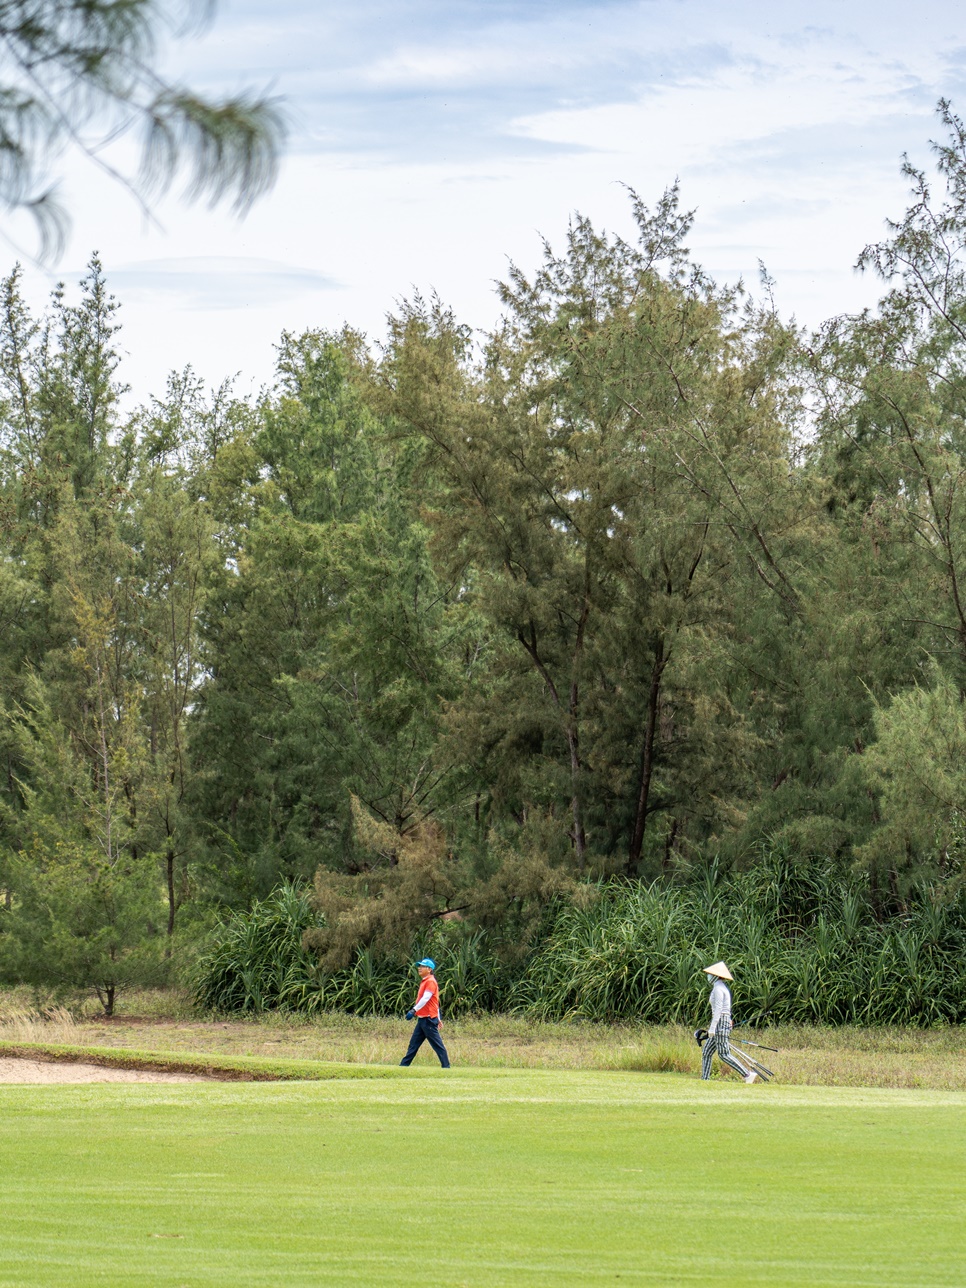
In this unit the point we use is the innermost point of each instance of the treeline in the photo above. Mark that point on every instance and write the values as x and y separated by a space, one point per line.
458 628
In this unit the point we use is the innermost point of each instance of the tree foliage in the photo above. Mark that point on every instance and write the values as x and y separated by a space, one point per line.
77 73
458 638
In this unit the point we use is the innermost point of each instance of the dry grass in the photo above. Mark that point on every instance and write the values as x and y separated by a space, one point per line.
816 1056
55 1025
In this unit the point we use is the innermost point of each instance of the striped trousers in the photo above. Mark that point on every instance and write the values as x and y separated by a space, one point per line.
718 1043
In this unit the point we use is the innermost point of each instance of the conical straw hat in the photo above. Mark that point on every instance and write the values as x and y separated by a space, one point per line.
719 969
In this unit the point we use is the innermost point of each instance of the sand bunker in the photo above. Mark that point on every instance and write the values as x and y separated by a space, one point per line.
14 1070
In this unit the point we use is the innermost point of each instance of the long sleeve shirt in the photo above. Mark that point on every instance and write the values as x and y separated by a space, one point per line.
720 1007
427 1003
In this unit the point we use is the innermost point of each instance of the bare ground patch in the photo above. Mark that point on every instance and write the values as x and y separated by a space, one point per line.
48 1072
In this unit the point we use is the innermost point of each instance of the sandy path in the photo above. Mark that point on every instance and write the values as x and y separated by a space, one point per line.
14 1070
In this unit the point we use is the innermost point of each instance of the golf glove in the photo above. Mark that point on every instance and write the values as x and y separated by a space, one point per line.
410 1015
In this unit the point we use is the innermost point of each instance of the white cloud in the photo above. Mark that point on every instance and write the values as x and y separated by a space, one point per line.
215 282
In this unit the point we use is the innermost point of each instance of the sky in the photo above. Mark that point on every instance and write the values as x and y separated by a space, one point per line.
433 142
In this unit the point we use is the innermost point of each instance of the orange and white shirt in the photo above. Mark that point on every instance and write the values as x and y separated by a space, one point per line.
427 1003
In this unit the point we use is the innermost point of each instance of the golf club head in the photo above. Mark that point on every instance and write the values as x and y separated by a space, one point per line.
700 1036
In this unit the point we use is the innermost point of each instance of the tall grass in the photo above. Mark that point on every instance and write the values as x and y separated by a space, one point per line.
804 948
54 1025
803 944
257 963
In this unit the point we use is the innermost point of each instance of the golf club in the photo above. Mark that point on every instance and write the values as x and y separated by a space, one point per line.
764 1074
759 1045
751 1024
758 1066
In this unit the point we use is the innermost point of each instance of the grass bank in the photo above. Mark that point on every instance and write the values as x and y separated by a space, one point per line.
809 1056
484 1178
219 1068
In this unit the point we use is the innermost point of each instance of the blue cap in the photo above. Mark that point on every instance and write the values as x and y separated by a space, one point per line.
427 961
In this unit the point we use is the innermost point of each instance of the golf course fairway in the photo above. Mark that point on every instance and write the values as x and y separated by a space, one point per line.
478 1178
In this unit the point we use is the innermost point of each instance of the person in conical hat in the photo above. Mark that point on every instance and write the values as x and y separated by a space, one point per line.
720 1025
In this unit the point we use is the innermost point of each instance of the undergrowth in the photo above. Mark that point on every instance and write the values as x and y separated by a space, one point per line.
803 944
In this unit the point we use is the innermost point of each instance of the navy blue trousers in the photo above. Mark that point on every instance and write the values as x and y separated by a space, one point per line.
426 1031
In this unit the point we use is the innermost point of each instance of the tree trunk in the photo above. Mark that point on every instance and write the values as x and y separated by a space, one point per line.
576 810
169 865
647 759
573 738
579 834
669 844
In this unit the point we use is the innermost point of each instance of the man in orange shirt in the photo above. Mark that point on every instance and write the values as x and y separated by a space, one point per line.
425 1011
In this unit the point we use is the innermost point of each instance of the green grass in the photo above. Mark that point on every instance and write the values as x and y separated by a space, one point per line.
481 1177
